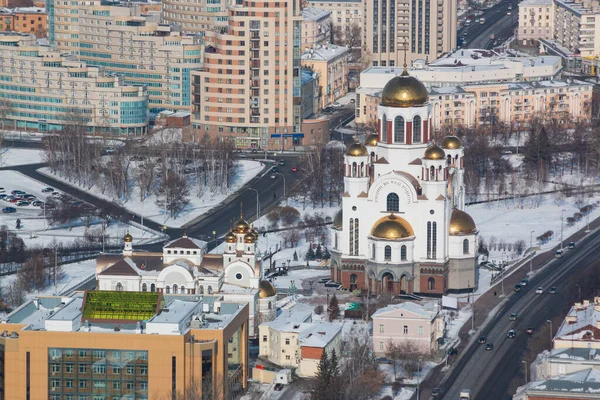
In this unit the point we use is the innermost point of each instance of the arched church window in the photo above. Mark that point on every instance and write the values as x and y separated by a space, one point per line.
144 287
384 132
399 129
373 251
353 278
393 203
152 287
167 289
434 240
387 254
449 159
175 289
269 305
209 290
417 129
354 170
119 287
182 290
466 246
356 237
201 290
432 173
403 253
351 236
430 284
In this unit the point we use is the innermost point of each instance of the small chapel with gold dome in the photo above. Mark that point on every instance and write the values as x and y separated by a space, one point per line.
402 228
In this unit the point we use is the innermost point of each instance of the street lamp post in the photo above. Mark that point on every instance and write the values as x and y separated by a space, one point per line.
550 322
562 217
257 203
526 380
418 379
283 176
502 271
531 255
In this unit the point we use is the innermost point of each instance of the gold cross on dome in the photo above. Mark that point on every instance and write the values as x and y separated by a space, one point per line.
405 49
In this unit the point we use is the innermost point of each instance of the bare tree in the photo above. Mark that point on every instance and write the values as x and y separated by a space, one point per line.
173 194
6 109
393 352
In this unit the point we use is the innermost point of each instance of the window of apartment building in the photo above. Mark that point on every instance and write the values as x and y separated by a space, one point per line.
82 384
287 357
381 328
420 331
380 345
287 341
406 329
265 338
82 368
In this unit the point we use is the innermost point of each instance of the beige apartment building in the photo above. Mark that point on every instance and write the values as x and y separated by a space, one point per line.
139 48
344 13
577 26
196 17
426 28
316 27
536 20
509 103
250 86
330 63
44 91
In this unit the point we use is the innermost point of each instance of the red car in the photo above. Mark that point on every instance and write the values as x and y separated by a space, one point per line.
529 331
294 169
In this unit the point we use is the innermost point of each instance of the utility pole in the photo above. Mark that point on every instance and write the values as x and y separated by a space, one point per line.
531 255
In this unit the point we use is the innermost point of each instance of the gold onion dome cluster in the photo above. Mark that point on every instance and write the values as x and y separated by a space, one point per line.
372 140
230 237
128 238
451 142
357 149
434 152
241 226
392 227
404 91
461 223
266 289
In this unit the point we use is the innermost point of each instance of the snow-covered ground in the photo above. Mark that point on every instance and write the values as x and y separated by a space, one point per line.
245 171
10 157
297 276
36 232
72 274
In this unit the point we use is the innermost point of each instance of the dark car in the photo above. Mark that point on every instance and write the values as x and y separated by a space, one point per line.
279 387
23 203
489 347
47 190
275 169
9 210
281 162
38 203
254 151
529 331
513 316
517 288
436 392
452 351
511 334
383 360
571 245
553 290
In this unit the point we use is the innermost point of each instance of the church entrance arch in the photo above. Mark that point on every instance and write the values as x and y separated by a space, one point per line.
387 283
353 282
403 285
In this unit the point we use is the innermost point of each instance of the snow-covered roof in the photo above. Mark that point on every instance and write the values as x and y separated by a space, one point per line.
314 14
583 382
318 334
407 306
575 355
324 52
185 243
527 3
581 323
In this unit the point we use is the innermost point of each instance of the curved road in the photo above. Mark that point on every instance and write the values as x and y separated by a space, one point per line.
488 373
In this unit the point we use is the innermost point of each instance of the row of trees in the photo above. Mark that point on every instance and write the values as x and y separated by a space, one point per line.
164 167
323 172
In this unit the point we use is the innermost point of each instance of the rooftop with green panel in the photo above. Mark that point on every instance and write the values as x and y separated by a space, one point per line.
125 312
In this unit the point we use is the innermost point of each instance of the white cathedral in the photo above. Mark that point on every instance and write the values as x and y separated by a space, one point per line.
402 228
184 268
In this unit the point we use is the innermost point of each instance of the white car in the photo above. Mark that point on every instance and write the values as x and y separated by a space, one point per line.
335 104
539 290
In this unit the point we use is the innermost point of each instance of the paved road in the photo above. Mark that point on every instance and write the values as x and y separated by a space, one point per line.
496 22
488 373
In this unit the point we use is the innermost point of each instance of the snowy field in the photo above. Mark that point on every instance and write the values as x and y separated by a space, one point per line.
72 275
246 170
36 232
12 157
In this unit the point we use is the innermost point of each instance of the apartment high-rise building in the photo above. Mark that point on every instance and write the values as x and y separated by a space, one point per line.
124 345
43 90
197 17
536 20
125 42
250 86
345 14
427 28
576 24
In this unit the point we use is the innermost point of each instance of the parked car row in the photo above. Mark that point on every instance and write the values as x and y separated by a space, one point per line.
23 199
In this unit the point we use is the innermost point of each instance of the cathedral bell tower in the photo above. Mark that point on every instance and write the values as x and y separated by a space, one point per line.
356 170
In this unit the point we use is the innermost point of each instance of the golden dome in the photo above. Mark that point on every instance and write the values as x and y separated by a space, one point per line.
372 140
338 220
249 237
434 152
357 149
392 228
230 237
404 91
128 238
266 289
451 142
461 223
241 226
